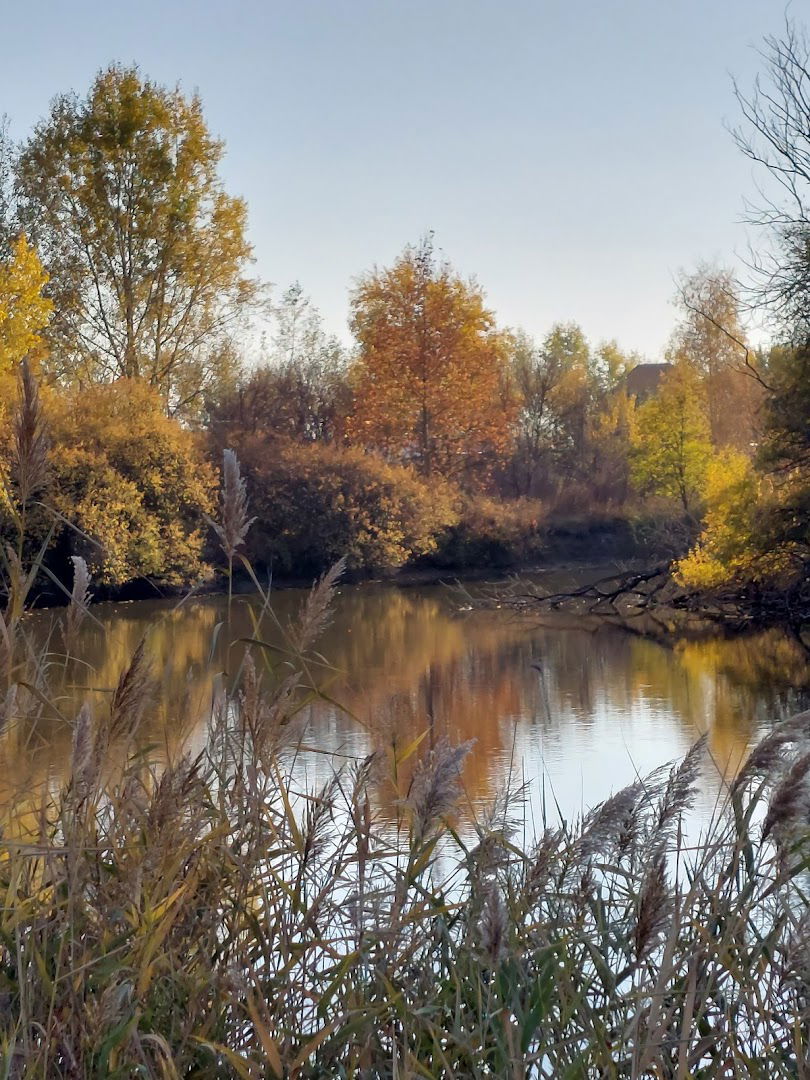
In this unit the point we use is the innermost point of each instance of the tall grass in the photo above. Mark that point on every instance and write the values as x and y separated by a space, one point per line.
205 916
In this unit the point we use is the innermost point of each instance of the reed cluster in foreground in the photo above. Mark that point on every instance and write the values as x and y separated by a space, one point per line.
208 915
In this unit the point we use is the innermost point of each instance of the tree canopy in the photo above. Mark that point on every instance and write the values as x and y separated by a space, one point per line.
429 379
24 310
147 254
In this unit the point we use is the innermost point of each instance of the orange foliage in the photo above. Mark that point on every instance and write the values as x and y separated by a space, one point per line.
317 502
430 386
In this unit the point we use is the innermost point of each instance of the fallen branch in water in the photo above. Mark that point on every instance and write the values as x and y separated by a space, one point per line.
629 594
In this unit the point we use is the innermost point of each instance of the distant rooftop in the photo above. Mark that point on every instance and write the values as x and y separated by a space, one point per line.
642 382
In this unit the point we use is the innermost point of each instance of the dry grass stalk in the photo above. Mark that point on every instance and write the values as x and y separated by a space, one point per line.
234 522
435 788
79 599
29 454
6 649
8 707
133 696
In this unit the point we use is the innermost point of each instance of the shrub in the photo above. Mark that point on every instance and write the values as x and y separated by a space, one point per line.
315 504
730 547
132 479
492 533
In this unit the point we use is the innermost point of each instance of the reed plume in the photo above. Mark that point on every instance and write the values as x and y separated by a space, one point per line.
654 909
87 753
29 451
790 802
493 926
132 696
679 791
316 613
435 787
602 826
80 598
232 528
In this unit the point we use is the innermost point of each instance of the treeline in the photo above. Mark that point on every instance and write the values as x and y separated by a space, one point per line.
125 285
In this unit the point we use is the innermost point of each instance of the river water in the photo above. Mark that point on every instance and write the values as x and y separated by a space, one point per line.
574 710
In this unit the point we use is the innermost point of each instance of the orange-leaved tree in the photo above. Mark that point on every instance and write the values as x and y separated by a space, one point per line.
429 378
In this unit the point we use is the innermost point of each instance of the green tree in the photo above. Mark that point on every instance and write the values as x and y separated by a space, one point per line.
147 253
671 443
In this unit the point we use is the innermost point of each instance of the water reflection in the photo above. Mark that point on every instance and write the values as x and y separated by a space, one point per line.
576 710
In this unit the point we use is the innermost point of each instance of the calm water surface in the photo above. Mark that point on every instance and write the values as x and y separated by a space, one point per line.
577 711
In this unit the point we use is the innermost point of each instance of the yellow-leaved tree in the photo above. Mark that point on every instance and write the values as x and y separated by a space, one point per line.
672 442
728 548
24 311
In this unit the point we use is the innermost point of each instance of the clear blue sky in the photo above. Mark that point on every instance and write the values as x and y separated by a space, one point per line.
571 154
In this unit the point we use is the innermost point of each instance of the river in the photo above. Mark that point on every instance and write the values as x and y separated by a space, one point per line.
573 710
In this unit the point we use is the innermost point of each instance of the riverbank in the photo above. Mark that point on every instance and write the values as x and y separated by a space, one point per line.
465 556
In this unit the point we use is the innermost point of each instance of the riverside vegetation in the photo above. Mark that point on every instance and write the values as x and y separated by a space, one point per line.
437 437
202 915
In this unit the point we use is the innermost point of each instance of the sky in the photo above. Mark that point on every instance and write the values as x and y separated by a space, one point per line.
573 155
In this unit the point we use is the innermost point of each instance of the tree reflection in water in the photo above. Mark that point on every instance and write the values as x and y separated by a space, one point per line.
574 710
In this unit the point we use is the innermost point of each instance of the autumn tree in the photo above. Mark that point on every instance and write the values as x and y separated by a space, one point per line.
565 391
775 135
147 254
552 382
672 445
24 310
429 378
711 338
315 503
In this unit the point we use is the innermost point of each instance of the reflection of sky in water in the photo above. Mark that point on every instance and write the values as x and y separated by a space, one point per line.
577 711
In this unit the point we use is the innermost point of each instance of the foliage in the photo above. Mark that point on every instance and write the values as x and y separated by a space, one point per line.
24 311
145 250
493 533
573 420
728 547
611 436
711 339
130 478
671 450
429 378
302 393
317 503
